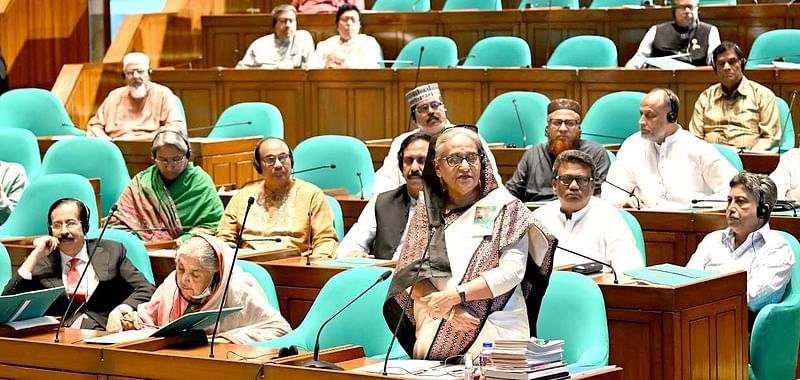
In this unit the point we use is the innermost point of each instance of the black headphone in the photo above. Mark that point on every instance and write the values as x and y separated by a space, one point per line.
674 105
149 73
83 214
182 137
762 210
257 159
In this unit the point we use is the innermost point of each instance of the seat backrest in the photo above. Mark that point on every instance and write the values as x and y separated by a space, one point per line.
774 44
615 114
135 250
573 309
90 158
636 230
5 266
338 217
265 120
612 3
730 155
402 5
439 51
179 104
264 279
571 4
776 330
499 122
499 51
20 146
30 216
362 323
36 110
787 126
486 5
350 156
585 51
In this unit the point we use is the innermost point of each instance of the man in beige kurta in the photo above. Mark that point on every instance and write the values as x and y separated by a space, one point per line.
138 110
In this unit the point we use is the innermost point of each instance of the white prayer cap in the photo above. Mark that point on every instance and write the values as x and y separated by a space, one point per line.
135 57
422 93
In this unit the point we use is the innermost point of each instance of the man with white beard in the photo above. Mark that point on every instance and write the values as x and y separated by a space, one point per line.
138 110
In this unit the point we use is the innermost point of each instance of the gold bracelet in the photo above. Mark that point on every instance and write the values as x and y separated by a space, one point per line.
451 315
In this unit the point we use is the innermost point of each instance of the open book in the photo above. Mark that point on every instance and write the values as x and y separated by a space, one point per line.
18 307
193 321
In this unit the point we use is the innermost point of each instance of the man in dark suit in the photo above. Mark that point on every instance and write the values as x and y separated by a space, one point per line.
380 229
111 281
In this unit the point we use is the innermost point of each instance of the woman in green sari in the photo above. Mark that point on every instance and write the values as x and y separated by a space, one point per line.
172 199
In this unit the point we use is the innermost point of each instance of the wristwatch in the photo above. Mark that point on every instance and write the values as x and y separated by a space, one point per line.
462 293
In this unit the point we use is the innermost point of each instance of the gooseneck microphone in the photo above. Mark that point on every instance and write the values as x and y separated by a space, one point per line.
620 138
83 272
519 121
275 239
694 201
310 234
786 119
416 81
630 194
594 260
328 166
250 202
360 185
316 363
233 124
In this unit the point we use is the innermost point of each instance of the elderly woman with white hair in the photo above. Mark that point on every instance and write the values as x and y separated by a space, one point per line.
139 109
172 199
202 267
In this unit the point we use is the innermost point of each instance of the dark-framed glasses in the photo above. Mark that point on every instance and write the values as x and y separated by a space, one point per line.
423 108
270 160
566 180
454 160
570 123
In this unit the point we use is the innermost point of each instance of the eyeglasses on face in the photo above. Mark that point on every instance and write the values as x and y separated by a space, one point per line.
432 106
71 224
566 180
454 160
130 73
570 123
170 161
270 160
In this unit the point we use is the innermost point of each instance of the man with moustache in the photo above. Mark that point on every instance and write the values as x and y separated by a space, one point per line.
429 114
111 284
532 182
349 49
736 111
287 48
684 34
584 223
663 166
286 208
138 110
380 230
748 243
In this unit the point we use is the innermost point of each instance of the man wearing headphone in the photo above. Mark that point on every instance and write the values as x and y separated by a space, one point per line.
748 243
736 111
111 283
287 48
291 212
140 108
663 166
685 34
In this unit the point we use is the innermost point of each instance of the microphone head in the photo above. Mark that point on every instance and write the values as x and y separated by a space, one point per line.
358 174
385 275
333 166
113 208
251 200
695 201
514 101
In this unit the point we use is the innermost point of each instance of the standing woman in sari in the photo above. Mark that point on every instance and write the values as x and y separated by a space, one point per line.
467 249
172 199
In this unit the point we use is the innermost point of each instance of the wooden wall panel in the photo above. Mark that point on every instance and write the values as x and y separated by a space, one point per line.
642 330
722 322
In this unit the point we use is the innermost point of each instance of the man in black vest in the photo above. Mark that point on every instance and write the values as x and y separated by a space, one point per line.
685 35
380 229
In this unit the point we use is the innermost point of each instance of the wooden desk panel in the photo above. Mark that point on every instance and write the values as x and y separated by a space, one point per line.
37 355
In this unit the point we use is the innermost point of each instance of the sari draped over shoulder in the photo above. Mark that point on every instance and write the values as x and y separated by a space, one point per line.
434 239
155 211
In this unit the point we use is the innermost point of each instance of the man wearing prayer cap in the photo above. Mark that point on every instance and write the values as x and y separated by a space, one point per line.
139 109
429 114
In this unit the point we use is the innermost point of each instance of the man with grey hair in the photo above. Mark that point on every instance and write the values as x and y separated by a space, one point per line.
429 114
532 180
286 48
139 109
13 182
748 243
583 223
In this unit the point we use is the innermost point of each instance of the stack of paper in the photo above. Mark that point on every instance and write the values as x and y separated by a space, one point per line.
526 359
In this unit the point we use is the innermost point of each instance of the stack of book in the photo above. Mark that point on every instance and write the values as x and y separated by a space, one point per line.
526 359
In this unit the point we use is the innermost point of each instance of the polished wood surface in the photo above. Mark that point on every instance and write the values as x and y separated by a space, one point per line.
226 37
694 331
38 37
370 104
228 161
37 356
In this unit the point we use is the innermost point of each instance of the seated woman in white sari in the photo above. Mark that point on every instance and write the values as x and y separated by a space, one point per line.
466 250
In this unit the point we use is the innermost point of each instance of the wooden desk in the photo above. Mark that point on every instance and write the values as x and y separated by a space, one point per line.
298 284
37 356
229 162
694 331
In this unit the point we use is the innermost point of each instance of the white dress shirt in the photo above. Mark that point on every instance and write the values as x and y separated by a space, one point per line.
360 52
670 175
597 230
267 53
765 255
787 175
360 236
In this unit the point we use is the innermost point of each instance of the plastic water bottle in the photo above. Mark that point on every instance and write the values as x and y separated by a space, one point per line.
483 359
